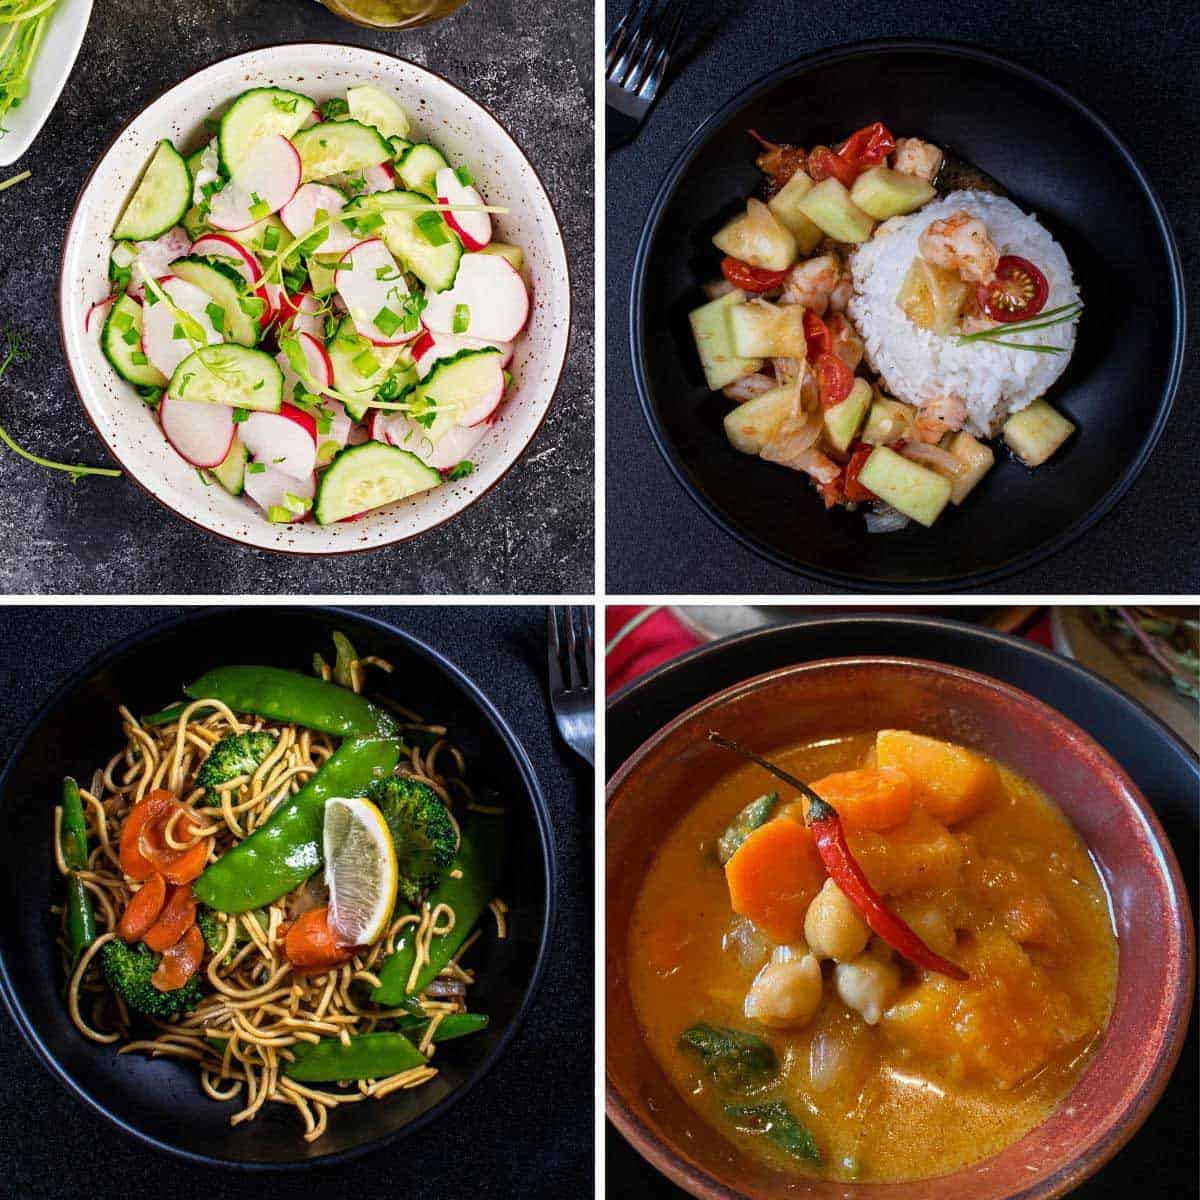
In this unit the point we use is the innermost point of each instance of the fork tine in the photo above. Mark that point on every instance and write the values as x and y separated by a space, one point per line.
647 51
670 38
623 32
639 34
556 676
589 653
572 650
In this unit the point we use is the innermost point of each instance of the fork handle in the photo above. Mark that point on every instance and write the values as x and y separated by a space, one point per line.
618 128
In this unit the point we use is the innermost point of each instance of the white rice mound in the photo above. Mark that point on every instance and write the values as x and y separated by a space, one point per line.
918 366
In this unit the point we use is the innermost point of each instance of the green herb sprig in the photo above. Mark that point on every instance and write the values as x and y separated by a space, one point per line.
1043 320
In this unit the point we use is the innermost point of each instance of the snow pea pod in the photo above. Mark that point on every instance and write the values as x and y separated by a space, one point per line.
294 698
369 1056
451 1026
81 921
481 857
285 851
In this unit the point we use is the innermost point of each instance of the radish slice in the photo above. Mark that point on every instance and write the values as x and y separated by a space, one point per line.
433 346
493 295
379 179
200 433
241 258
473 228
269 176
300 215
155 257
340 423
302 313
315 359
369 283
451 449
159 343
286 440
481 411
270 488
97 315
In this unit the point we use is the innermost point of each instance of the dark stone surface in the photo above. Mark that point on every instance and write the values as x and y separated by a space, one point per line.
1134 64
525 1130
533 533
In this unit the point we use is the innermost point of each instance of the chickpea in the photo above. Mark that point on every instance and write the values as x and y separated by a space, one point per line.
833 927
867 986
787 991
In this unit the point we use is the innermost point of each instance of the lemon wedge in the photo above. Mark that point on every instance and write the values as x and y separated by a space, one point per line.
360 871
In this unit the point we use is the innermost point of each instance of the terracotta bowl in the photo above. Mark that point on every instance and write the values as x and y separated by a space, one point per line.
657 785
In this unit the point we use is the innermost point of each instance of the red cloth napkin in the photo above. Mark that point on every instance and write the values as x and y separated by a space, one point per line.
662 636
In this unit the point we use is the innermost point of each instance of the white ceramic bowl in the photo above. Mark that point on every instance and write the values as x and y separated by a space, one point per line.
449 118
51 68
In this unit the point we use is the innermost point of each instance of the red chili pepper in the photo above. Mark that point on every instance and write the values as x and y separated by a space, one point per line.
859 453
848 875
750 279
817 337
868 146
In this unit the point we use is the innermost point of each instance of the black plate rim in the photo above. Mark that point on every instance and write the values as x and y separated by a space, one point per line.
637 318
549 868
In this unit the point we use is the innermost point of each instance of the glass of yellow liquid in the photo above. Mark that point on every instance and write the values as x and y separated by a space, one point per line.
393 14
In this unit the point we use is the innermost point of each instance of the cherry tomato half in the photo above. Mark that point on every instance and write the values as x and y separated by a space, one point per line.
750 279
868 146
824 164
834 380
1017 293
816 336
858 458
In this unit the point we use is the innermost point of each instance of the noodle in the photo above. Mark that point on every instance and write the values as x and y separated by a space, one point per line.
241 1032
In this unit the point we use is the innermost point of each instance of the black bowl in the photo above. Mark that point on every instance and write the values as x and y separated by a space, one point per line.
1163 767
1056 158
161 1101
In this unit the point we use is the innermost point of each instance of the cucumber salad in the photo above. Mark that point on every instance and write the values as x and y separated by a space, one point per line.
881 314
313 303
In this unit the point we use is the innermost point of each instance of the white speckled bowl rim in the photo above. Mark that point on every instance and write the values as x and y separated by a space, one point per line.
440 111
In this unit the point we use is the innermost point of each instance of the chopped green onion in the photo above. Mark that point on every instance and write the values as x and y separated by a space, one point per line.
366 364
239 415
216 314
461 470
433 227
387 321
462 318
464 177
130 337
140 360
256 468
259 208
271 239
278 514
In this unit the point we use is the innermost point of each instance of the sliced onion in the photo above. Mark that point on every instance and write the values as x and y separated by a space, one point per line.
749 386
819 467
935 458
792 445
883 518
717 288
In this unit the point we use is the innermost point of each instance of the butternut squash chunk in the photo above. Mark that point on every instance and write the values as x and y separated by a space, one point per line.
950 783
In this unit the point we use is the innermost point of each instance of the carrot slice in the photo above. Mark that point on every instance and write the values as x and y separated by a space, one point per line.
133 862
179 962
310 945
178 866
773 877
173 922
190 864
872 798
143 910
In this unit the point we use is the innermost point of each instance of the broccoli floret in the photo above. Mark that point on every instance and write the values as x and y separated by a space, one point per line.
128 969
235 754
422 833
212 929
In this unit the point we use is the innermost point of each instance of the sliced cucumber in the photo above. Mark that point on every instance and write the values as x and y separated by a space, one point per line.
254 237
195 221
368 476
451 388
353 377
713 331
882 193
160 199
121 341
229 374
828 205
370 106
335 147
842 421
320 276
418 168
231 474
916 491
514 254
435 265
256 114
227 289
1036 432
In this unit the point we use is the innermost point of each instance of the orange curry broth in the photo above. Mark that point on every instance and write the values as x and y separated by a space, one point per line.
930 1088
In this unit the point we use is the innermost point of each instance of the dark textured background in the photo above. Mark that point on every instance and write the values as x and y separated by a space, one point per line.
532 66
525 1130
1135 64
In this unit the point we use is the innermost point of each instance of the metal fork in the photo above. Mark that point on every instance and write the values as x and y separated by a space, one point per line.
571 672
636 59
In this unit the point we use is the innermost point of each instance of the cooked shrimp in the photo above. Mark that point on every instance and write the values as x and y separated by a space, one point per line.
794 446
846 343
915 157
961 243
941 415
748 387
840 296
812 282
